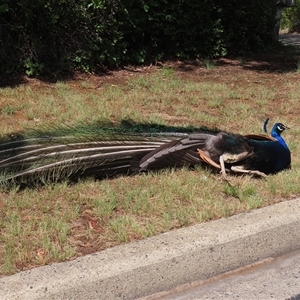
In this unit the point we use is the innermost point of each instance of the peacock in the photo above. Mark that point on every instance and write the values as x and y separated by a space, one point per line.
105 150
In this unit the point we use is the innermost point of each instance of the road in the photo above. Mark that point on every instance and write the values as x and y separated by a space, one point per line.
277 278
290 39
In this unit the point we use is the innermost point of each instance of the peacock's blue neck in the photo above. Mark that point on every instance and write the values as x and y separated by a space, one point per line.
278 137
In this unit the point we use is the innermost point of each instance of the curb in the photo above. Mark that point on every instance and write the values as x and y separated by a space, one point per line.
165 261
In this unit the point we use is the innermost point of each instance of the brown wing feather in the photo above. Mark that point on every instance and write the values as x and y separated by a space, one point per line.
260 137
206 159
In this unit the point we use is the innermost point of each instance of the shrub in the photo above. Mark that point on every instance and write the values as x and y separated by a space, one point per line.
291 18
56 36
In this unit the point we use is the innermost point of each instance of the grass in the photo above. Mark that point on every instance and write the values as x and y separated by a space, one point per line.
59 222
209 64
9 110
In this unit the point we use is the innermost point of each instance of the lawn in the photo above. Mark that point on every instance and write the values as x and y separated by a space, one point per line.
60 222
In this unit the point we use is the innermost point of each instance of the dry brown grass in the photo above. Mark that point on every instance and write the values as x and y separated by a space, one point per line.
60 222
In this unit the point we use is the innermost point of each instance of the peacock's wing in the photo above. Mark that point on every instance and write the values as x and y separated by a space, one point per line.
178 152
222 150
196 148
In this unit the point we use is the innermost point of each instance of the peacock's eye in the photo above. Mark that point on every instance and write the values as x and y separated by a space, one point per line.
280 127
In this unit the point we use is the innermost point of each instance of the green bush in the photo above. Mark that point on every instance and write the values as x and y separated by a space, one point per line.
291 18
56 36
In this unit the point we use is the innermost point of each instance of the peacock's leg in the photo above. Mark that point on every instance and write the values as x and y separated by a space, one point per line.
223 171
255 172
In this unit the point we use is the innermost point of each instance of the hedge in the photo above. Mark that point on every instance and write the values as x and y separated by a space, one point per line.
57 36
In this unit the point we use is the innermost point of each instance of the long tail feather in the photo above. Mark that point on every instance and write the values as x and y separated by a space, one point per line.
91 150
64 161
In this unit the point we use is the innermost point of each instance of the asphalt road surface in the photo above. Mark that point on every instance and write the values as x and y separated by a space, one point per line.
290 39
277 278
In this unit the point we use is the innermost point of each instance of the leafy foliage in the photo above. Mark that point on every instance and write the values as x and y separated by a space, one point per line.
54 36
291 18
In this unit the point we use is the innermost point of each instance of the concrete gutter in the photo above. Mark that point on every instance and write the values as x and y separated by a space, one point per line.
165 261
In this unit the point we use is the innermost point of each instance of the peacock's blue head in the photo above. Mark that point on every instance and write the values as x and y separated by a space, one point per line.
276 132
278 129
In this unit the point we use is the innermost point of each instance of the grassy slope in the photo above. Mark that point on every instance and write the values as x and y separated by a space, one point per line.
55 223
